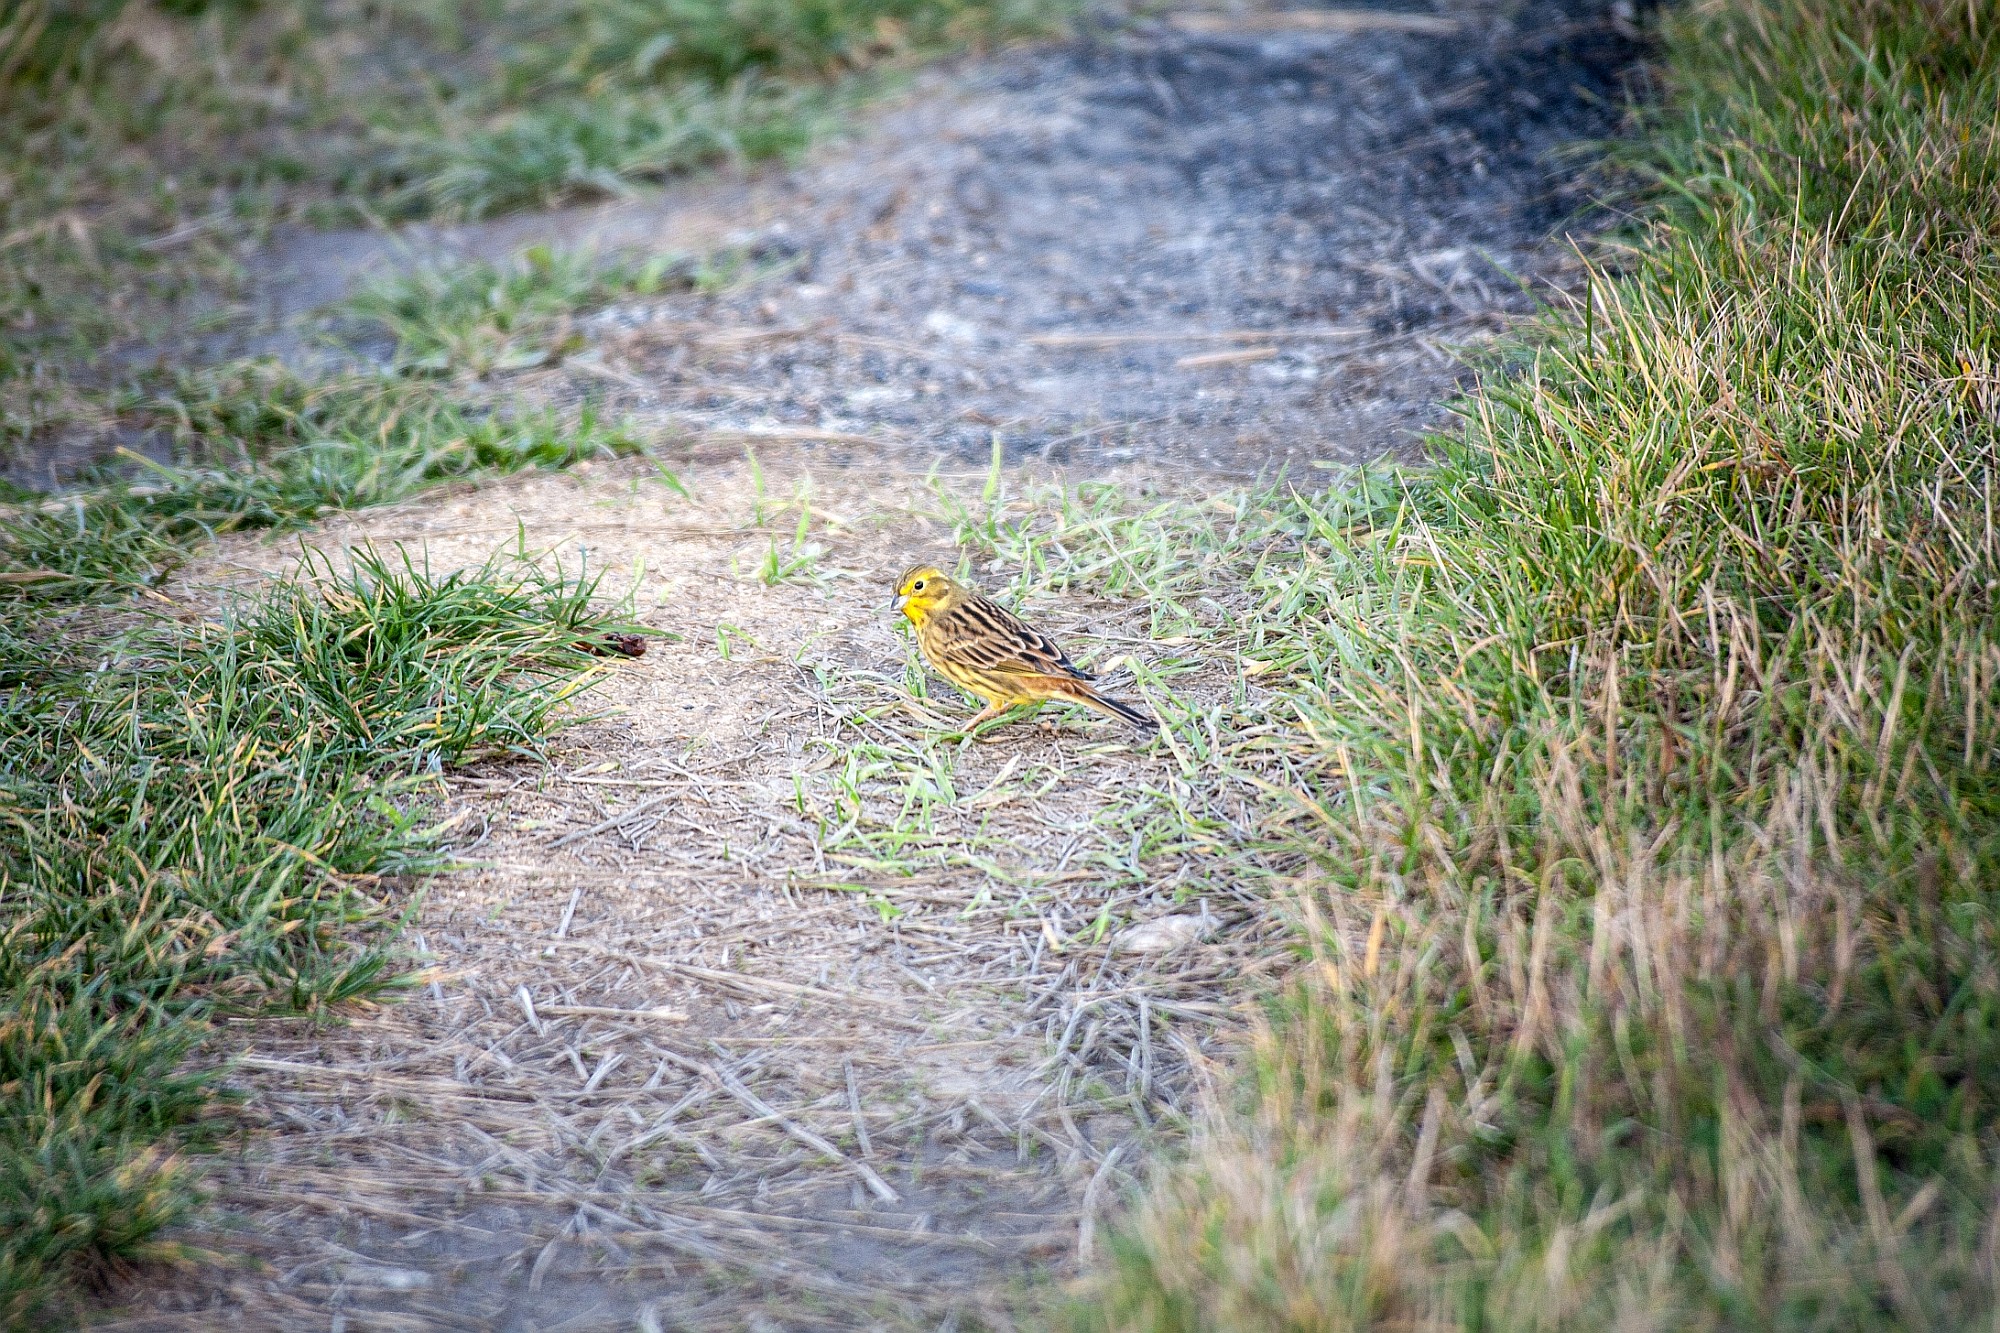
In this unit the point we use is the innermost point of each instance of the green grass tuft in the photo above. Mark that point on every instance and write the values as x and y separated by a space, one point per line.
485 319
606 143
222 820
263 447
586 97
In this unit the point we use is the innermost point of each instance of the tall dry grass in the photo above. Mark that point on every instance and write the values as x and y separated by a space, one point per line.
1649 841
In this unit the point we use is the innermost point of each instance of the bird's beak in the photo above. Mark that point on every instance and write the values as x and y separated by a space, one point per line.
898 602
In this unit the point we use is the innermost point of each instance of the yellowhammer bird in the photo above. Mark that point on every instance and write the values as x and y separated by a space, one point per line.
987 650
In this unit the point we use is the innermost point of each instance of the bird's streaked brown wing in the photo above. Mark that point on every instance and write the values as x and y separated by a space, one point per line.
986 636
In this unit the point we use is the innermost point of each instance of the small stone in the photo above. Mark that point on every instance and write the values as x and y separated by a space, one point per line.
385 1279
1163 934
950 327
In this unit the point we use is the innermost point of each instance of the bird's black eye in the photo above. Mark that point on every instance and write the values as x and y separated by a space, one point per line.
918 586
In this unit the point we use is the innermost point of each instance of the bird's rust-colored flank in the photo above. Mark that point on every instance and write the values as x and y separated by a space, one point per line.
986 650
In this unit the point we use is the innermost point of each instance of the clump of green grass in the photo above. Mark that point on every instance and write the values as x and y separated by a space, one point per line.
714 41
483 318
262 447
1646 765
587 96
605 144
41 41
487 318
223 820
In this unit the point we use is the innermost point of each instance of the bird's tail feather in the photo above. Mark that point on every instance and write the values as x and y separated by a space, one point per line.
1104 703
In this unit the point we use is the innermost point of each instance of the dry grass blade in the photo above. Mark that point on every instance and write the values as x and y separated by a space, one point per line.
1140 336
1318 20
658 1013
878 1186
1247 356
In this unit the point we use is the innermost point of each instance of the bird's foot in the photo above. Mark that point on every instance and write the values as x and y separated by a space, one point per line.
986 719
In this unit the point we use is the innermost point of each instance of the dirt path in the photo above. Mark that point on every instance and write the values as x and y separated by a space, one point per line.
1211 244
769 1004
909 1026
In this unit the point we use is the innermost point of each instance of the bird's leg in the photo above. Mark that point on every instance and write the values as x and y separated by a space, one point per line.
986 714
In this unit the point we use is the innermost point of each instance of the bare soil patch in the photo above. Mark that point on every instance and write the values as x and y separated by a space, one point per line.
771 1003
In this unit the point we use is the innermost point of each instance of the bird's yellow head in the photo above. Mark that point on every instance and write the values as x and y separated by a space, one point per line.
925 591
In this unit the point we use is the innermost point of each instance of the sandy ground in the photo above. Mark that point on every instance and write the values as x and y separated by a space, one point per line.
771 1002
